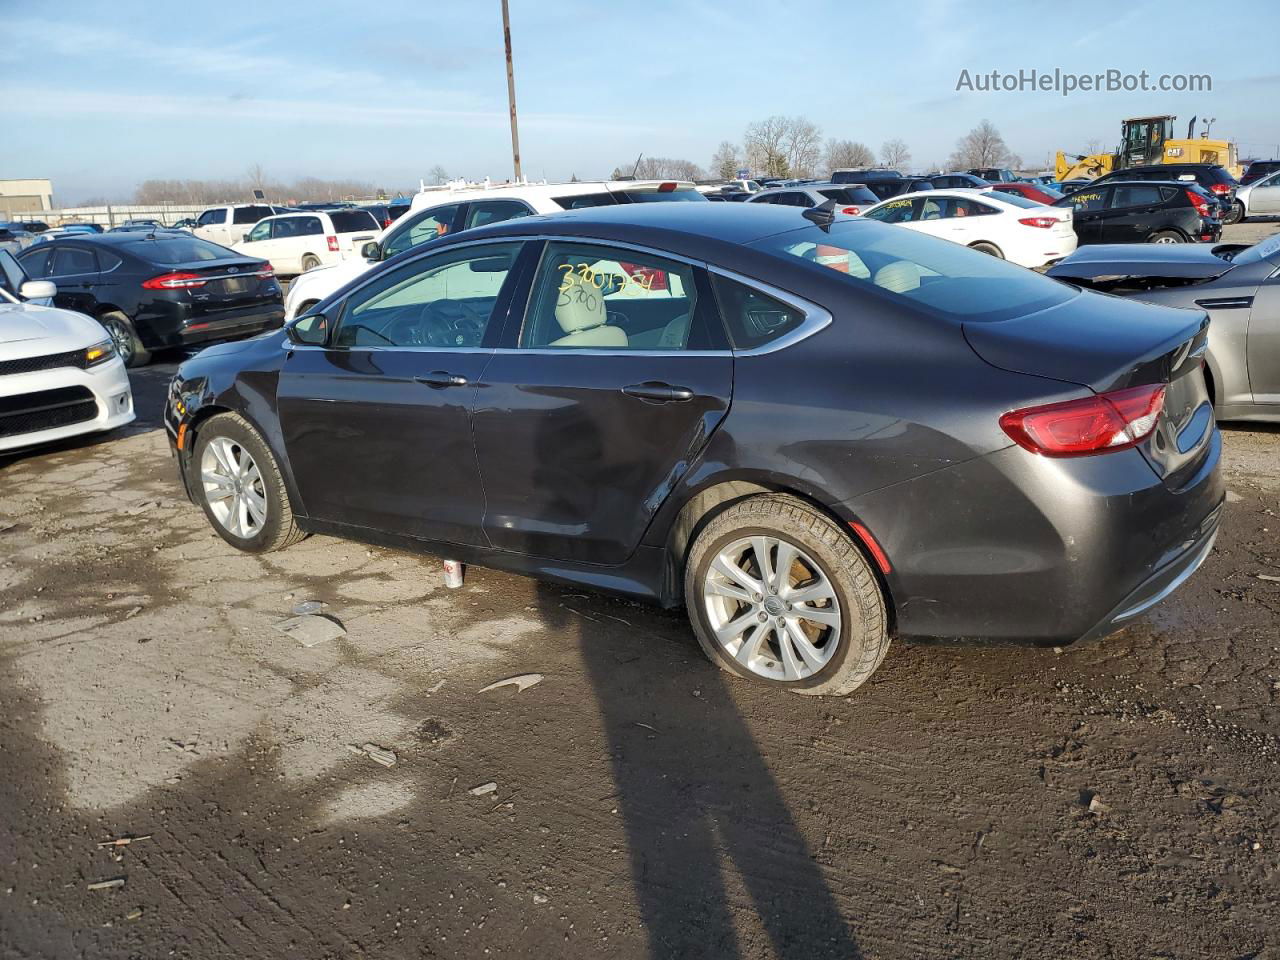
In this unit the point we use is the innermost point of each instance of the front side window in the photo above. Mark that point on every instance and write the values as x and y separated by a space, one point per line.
603 298
494 211
209 217
425 226
897 211
35 262
261 231
443 302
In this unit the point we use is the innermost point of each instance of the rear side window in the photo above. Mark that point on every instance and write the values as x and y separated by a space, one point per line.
69 261
753 318
495 211
1088 199
178 250
107 261
353 221
1135 195
250 214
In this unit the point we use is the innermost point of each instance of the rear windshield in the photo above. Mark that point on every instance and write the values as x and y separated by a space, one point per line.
1268 249
1008 196
352 221
861 176
849 194
178 250
943 277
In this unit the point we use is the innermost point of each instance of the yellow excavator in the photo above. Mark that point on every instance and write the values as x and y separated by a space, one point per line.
1146 140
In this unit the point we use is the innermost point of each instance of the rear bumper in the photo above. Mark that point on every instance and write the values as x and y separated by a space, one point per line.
182 329
1018 547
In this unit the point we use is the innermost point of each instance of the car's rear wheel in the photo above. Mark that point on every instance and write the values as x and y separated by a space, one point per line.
310 262
779 593
1166 236
122 333
1235 214
238 484
990 249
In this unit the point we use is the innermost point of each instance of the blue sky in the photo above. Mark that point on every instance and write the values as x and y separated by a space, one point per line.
99 96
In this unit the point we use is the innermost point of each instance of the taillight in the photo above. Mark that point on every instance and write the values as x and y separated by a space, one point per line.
1221 189
175 281
1097 424
1038 221
333 243
267 270
1199 202
851 211
666 187
386 222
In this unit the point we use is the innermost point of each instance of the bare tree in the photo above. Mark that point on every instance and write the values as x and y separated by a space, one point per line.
724 162
980 147
438 174
894 154
842 154
1093 146
764 143
802 145
662 168
257 177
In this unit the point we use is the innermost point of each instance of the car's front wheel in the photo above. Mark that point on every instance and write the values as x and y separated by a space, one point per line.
778 592
237 482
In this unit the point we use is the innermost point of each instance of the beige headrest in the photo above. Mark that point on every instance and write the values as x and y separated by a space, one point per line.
898 277
580 308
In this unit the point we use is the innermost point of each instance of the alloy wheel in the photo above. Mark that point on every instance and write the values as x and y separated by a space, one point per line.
233 487
772 608
122 339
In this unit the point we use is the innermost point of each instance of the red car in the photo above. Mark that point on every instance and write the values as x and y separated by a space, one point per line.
1045 195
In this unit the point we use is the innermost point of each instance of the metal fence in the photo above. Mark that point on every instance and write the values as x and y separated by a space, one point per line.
114 215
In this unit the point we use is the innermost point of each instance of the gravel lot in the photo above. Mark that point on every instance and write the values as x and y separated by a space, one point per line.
1117 799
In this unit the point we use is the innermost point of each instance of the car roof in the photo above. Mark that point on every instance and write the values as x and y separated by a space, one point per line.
516 191
121 237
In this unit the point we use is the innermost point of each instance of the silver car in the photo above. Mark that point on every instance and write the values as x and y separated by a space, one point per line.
851 198
1258 199
1238 285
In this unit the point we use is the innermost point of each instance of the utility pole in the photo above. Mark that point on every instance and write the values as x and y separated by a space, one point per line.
511 90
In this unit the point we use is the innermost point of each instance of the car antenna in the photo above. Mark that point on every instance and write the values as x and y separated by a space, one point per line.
824 214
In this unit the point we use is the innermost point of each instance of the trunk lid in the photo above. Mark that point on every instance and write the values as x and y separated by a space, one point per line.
232 283
1107 343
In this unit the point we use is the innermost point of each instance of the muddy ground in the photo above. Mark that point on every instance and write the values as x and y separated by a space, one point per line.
1118 799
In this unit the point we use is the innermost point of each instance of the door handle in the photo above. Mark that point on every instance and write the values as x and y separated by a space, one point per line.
440 378
655 392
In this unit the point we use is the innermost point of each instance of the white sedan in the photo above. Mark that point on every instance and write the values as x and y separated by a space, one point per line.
1001 224
59 373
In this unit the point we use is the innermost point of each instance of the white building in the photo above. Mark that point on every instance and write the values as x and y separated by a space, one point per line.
24 196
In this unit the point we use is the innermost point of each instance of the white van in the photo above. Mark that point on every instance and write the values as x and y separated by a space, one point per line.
226 224
298 242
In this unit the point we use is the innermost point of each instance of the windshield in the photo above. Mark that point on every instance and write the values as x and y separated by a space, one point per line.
1268 249
176 249
941 276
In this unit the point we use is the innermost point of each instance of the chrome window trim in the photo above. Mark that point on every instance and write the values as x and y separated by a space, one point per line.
815 320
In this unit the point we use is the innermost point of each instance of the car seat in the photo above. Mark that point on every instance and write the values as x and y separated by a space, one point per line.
581 315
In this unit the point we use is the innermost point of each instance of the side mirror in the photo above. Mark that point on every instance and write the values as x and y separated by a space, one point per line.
370 250
244 237
311 330
38 290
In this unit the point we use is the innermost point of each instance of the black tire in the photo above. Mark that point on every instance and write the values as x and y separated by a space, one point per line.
863 639
1235 214
990 249
279 529
1166 236
123 334
310 262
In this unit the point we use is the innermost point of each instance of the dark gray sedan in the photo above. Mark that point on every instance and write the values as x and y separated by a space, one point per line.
813 437
1238 285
